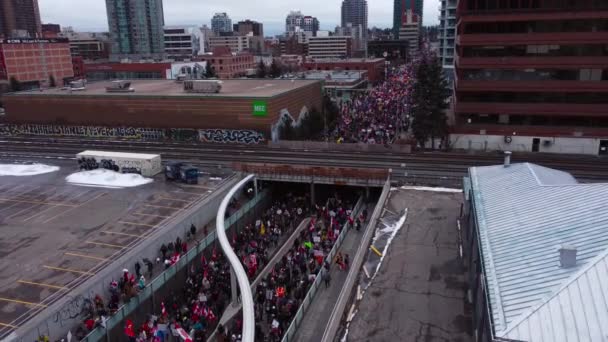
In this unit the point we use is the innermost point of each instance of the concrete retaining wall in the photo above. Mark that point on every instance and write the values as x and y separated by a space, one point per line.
65 314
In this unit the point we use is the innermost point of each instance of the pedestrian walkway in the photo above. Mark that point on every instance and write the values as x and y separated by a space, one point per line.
319 311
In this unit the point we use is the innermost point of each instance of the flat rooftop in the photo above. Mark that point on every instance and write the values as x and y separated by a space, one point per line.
110 154
54 235
230 88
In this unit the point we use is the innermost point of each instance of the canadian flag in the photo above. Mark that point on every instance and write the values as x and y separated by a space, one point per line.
183 334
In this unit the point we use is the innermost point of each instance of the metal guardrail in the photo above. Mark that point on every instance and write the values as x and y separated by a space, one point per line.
297 320
99 333
335 319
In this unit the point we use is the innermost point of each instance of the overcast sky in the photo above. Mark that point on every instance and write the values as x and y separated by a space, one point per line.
90 15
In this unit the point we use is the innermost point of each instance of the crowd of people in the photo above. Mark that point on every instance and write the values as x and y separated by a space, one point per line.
378 115
280 293
193 311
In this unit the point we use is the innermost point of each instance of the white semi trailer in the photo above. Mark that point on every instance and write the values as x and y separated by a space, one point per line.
145 164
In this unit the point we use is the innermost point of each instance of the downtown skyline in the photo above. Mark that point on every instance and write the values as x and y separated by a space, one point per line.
195 12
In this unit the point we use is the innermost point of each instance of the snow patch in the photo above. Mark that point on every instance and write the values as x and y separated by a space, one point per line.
26 169
393 230
107 179
428 188
215 178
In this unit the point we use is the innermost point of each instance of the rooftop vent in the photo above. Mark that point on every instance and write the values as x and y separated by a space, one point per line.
567 256
507 158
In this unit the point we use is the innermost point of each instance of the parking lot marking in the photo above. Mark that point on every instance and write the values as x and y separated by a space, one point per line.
42 284
153 215
125 234
137 224
22 211
8 325
187 192
105 244
198 187
174 199
67 270
85 256
39 213
75 206
162 206
36 202
21 302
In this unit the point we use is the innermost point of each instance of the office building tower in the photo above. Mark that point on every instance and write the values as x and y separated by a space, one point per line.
136 29
354 12
221 22
400 7
20 19
532 76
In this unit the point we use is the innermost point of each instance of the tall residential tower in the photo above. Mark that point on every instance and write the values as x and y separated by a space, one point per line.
220 23
136 29
19 18
355 13
402 6
447 35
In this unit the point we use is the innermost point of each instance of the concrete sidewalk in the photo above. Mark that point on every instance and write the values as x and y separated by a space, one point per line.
318 313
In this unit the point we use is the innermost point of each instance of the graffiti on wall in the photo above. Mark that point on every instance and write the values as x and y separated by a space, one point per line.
78 307
234 136
83 131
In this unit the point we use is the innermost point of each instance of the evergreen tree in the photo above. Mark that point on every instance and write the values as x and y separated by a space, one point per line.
14 84
261 70
52 82
429 101
209 72
275 70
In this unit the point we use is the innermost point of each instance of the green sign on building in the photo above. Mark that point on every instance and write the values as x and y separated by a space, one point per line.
259 108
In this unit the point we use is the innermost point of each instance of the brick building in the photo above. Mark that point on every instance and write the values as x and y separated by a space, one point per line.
373 66
227 64
32 62
532 76
236 106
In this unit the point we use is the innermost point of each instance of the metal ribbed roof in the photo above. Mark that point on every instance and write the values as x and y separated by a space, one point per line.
525 212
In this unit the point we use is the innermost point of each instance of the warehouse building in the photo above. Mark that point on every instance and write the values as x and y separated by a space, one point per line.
255 105
536 247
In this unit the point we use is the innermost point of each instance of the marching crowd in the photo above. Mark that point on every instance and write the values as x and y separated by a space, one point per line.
379 115
194 310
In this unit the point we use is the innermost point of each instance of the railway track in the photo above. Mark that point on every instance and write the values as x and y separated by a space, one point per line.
440 165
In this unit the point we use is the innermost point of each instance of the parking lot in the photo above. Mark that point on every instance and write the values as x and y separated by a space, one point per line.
54 235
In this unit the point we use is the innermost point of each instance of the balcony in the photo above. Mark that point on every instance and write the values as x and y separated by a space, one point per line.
532 62
533 38
551 109
533 86
514 15
525 130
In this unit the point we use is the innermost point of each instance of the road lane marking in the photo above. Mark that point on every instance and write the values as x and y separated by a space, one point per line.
105 244
144 214
85 256
42 285
21 302
67 270
125 234
137 224
162 206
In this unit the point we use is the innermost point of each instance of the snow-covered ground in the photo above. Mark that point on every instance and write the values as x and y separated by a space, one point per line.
106 178
26 169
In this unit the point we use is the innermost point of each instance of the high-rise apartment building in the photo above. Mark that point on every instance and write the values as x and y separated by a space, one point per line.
136 29
20 18
532 76
244 27
447 35
410 31
296 21
221 22
400 7
355 13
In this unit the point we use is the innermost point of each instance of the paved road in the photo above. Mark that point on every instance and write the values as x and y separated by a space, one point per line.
319 312
419 292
